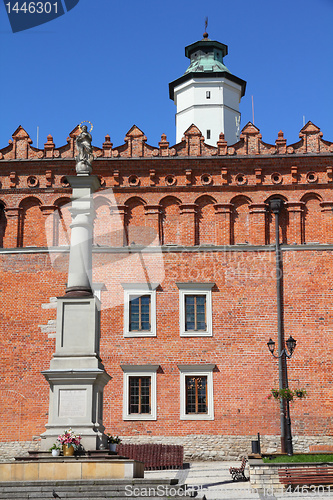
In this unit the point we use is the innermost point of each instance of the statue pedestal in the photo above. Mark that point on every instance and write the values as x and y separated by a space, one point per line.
76 376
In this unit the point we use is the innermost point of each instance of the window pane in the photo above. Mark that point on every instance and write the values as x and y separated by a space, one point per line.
145 395
201 300
196 394
139 394
195 312
139 313
134 313
189 312
190 394
202 386
134 395
189 299
145 300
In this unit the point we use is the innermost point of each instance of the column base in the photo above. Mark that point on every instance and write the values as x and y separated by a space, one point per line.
78 291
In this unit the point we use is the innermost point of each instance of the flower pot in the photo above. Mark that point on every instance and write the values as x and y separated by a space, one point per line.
112 447
55 453
68 450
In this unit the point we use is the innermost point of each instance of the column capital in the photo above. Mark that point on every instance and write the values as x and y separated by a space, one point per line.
326 206
258 208
13 211
221 208
83 181
295 206
122 209
152 209
48 209
188 208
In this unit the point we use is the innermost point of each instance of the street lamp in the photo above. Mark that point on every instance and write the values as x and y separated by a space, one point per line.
283 355
291 344
276 206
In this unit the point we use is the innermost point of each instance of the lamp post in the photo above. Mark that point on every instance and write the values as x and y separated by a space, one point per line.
286 443
283 355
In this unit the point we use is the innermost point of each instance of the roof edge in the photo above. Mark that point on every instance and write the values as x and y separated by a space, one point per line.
188 76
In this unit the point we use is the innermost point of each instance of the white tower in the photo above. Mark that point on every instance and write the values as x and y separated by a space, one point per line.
207 94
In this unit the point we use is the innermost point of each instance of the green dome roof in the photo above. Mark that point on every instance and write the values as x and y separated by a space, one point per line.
206 62
206 55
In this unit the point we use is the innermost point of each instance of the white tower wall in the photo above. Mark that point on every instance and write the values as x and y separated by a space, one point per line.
216 112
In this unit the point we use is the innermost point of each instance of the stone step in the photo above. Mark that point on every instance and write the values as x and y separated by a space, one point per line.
83 496
155 489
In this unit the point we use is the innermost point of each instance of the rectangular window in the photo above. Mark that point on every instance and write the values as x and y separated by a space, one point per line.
208 134
139 395
139 308
195 309
139 392
195 312
196 395
196 392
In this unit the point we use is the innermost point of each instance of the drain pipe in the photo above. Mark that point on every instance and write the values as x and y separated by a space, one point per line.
276 206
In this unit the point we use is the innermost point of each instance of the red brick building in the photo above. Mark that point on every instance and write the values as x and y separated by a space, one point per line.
188 359
184 264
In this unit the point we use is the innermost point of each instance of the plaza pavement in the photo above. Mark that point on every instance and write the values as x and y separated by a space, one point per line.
213 480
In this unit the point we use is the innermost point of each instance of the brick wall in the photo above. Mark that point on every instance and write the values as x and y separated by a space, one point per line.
244 317
219 198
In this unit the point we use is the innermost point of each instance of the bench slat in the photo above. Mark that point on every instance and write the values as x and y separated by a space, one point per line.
306 475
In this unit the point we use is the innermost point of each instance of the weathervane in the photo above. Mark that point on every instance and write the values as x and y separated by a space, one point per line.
206 24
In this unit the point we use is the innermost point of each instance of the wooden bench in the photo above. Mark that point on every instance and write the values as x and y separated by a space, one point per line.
306 475
237 473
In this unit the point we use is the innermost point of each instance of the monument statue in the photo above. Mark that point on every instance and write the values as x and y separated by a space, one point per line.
77 376
85 157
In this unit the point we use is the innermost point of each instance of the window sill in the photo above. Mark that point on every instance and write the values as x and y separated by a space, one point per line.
140 417
196 334
139 334
196 417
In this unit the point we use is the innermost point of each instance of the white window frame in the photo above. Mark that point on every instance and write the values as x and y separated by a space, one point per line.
139 289
140 371
204 370
196 289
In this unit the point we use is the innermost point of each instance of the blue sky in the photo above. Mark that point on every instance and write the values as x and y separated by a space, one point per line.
110 62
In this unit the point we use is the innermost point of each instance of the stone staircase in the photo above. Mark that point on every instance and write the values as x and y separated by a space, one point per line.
124 489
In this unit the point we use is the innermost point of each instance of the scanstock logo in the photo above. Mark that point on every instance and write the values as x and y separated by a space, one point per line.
25 15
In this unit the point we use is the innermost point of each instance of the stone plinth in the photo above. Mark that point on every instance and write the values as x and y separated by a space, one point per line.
60 468
76 376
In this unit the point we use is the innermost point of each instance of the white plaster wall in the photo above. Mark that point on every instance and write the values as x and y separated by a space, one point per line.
217 114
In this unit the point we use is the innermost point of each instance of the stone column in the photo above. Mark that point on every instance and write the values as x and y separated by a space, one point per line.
83 215
223 223
13 215
295 227
258 223
187 217
327 218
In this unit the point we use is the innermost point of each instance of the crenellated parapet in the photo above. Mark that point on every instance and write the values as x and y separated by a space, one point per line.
192 145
